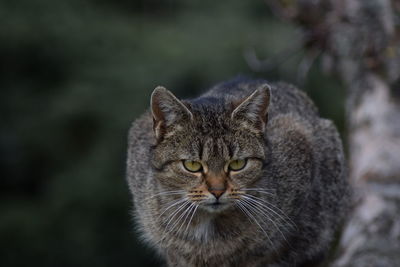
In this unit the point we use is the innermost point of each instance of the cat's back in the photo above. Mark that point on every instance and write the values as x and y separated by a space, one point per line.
285 98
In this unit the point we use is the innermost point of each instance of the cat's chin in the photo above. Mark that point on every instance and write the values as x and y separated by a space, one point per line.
216 207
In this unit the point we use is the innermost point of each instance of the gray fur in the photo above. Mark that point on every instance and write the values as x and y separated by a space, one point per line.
292 152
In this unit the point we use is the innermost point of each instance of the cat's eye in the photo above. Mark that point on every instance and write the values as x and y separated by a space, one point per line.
237 165
192 166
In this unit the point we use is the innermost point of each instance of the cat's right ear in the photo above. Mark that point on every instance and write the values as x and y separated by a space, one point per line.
252 112
167 110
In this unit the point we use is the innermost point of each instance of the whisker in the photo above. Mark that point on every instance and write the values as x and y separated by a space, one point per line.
175 202
191 208
171 217
267 215
198 198
287 219
246 211
175 192
179 219
190 220
187 212
259 191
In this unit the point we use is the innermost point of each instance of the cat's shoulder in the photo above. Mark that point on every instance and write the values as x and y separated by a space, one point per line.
141 130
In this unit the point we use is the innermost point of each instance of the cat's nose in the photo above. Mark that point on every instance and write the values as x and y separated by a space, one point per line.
216 184
217 192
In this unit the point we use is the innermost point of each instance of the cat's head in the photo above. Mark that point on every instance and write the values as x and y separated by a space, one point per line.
209 149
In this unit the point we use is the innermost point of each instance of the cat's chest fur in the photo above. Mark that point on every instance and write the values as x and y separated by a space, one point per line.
204 229
244 175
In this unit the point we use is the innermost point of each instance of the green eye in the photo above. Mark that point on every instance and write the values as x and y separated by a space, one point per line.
237 165
192 166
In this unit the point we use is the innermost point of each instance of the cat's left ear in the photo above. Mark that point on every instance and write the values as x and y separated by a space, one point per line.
252 112
167 111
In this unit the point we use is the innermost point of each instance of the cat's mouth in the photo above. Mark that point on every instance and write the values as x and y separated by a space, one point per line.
216 206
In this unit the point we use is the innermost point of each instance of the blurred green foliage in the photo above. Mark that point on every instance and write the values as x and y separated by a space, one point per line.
74 74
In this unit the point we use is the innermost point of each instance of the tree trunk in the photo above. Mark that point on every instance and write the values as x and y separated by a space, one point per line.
359 39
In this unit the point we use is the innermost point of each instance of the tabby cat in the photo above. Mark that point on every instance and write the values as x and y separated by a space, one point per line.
247 174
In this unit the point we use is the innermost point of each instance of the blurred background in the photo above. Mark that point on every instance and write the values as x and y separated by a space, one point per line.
75 74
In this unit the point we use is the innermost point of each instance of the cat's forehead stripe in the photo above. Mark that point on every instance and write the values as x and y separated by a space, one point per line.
215 152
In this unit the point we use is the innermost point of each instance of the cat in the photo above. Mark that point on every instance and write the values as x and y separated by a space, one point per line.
247 174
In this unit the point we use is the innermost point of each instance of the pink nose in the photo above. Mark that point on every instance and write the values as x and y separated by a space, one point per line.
217 192
216 184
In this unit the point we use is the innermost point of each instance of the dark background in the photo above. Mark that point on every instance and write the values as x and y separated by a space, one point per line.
73 76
